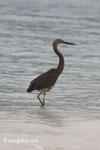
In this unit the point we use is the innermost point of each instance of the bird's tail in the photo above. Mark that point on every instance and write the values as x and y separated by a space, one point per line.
30 88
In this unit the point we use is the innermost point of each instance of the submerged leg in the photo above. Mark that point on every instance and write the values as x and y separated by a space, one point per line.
44 98
39 98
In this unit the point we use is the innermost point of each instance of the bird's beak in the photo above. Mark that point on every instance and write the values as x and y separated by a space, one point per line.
68 43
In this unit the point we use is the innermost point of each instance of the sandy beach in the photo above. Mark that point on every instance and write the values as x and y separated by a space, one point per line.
79 136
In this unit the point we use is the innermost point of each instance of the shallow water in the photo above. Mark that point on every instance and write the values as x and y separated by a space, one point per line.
27 31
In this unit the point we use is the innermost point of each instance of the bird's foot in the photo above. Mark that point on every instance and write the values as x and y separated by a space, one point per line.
43 105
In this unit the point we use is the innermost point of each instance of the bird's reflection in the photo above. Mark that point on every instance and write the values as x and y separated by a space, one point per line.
50 115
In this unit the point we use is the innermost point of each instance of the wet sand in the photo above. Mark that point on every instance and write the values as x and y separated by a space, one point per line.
77 136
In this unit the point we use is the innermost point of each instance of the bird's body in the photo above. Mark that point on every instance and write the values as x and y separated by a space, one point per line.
47 80
40 83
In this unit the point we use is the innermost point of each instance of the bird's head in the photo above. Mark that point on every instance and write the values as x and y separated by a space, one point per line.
60 41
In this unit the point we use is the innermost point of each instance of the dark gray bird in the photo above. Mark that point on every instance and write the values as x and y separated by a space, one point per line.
44 82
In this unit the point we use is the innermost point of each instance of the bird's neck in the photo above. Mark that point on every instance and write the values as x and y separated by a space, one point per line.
61 59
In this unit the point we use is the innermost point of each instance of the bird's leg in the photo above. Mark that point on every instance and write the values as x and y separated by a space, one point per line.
44 98
39 98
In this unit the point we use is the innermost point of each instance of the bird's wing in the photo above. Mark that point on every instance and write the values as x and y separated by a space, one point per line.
46 80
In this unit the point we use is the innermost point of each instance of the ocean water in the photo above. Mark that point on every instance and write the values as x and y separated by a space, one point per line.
71 118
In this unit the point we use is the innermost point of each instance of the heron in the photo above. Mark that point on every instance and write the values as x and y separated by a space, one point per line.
46 81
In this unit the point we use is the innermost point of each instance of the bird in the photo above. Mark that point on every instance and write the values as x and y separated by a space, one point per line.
46 81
